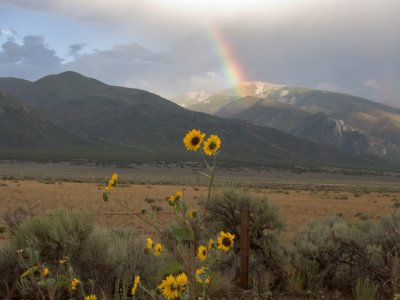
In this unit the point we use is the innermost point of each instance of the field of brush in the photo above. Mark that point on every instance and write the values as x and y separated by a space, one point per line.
34 189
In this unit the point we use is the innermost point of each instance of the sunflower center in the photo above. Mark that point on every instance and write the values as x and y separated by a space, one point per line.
226 242
204 252
212 146
195 140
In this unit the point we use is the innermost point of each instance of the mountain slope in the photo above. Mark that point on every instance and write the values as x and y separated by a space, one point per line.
13 85
348 122
145 121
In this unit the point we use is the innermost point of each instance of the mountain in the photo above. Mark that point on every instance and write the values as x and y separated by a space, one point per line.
21 129
13 85
26 134
142 121
344 121
214 101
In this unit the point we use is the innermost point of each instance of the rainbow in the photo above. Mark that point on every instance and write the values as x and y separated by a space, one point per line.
230 64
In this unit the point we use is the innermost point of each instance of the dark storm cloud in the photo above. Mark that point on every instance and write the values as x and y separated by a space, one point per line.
30 59
32 51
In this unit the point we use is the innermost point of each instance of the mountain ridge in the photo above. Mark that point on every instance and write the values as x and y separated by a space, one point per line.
142 120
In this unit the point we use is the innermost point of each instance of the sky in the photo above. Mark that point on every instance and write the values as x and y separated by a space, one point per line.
169 47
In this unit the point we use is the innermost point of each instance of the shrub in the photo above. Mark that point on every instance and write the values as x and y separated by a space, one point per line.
104 261
334 254
267 256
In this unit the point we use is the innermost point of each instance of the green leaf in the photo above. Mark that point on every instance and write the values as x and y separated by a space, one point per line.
182 233
105 196
171 268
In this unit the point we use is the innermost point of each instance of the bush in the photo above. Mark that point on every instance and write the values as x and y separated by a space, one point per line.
268 257
334 254
104 261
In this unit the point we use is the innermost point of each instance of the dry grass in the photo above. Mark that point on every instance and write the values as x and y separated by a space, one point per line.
298 207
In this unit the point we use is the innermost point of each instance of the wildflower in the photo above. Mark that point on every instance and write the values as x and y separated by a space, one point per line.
62 261
193 140
172 199
158 249
212 145
192 214
91 297
202 252
201 276
169 287
211 244
181 280
225 241
45 272
150 243
112 182
74 284
135 285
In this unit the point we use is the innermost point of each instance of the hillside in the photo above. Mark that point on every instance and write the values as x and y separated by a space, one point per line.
144 121
26 135
344 121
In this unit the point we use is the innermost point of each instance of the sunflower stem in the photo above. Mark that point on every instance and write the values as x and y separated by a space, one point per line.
210 185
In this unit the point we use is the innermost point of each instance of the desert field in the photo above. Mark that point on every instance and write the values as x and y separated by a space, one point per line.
33 189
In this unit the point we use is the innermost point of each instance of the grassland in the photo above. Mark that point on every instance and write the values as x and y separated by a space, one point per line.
301 197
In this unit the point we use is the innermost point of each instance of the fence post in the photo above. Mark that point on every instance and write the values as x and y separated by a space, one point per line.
244 244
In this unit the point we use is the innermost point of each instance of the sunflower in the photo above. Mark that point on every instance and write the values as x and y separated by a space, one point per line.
202 252
45 272
74 284
112 182
91 297
175 197
212 145
150 243
135 285
181 280
158 249
201 276
211 244
225 241
169 287
193 140
192 214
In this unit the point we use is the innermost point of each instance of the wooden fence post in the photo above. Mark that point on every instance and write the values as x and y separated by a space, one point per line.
244 244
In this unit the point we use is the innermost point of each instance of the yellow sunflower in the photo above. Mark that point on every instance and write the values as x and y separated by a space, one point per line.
211 244
150 243
74 284
201 276
112 182
212 145
158 249
193 140
91 297
181 280
202 252
192 214
225 241
173 198
45 272
135 285
169 287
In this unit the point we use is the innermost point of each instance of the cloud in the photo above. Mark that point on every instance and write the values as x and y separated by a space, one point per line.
31 59
333 44
32 51
75 49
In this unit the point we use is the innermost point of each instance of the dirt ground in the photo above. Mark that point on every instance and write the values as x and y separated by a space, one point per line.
297 207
